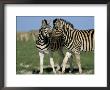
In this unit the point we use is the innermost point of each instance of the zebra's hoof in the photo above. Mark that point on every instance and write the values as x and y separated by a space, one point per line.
80 71
70 71
40 72
59 72
54 72
62 72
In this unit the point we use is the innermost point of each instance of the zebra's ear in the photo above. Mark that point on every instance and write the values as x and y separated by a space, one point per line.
44 22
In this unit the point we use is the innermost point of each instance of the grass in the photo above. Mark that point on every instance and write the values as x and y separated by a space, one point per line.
28 59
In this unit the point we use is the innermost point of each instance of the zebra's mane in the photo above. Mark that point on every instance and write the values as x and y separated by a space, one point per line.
67 22
70 24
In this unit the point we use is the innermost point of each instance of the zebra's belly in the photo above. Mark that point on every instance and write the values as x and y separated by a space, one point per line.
86 48
74 49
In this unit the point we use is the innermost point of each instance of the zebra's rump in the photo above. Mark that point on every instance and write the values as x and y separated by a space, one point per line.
87 38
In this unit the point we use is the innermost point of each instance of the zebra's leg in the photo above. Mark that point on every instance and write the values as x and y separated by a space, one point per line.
71 64
52 63
41 54
70 61
77 55
67 56
61 60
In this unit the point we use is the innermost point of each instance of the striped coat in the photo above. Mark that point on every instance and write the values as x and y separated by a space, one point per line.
74 40
47 43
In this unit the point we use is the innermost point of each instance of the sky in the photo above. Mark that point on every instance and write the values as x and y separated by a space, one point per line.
28 23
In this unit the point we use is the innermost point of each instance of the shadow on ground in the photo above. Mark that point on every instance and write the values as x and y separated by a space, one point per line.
48 70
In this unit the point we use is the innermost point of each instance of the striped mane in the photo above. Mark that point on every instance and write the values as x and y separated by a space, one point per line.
67 23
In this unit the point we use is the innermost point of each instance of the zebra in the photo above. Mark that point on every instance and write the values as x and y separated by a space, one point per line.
47 43
74 40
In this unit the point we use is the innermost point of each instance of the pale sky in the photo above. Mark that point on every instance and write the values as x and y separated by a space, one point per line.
27 23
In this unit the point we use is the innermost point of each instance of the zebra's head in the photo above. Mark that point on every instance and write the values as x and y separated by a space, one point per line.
45 29
59 23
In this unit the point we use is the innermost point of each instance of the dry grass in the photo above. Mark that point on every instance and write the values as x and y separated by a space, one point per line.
26 36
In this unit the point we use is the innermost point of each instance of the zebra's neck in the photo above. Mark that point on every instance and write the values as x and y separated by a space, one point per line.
67 29
67 37
42 40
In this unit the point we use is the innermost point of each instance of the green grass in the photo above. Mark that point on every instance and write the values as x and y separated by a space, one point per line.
28 59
